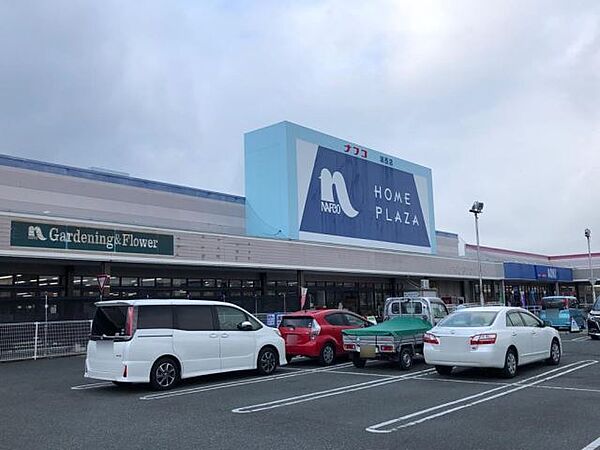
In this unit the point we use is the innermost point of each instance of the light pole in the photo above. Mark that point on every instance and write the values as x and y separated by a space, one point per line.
588 234
476 210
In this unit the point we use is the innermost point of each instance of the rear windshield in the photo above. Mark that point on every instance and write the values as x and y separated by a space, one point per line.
554 303
296 322
109 321
469 319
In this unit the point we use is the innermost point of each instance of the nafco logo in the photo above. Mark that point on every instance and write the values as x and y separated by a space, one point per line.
328 204
35 234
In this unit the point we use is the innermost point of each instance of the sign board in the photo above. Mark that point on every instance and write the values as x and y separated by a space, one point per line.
302 184
103 281
274 319
70 237
521 271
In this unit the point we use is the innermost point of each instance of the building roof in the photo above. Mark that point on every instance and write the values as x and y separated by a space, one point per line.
107 177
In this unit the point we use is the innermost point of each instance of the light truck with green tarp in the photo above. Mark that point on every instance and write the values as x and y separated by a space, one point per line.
398 339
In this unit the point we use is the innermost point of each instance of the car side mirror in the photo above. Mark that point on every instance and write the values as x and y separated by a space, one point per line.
245 326
545 323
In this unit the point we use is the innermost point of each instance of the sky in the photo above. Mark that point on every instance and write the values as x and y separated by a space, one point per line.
501 99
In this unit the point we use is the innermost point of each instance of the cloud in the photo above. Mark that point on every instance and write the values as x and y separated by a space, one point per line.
500 99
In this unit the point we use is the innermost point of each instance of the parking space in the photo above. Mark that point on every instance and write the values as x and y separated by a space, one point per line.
50 405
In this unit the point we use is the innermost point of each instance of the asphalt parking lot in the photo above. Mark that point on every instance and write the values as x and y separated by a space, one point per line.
48 404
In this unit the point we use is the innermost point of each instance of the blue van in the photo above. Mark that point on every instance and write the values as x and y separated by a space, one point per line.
560 309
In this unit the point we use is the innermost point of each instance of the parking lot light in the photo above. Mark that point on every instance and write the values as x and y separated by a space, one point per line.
476 209
588 234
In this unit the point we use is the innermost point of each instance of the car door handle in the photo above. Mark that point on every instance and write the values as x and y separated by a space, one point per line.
213 335
224 335
533 332
514 333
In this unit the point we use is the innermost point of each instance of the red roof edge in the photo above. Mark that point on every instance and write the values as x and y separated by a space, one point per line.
508 252
537 255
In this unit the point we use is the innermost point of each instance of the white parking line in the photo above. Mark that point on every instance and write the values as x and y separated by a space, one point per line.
91 385
496 383
448 380
592 445
327 393
382 427
579 339
228 384
365 374
566 388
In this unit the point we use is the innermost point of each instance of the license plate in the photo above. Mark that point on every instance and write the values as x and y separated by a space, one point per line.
291 339
367 351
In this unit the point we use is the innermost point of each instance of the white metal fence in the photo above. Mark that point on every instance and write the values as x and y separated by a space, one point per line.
32 340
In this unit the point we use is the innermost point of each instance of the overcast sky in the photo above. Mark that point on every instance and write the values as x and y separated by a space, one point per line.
501 99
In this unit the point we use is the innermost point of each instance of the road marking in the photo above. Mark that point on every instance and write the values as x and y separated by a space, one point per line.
91 385
446 380
560 388
381 427
365 374
327 393
579 339
260 379
566 388
592 445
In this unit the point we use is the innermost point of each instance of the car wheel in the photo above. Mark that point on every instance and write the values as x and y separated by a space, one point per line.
164 374
358 362
510 364
289 358
267 361
327 355
555 352
405 360
443 370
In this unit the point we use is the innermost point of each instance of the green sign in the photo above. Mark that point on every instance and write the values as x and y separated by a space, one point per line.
68 237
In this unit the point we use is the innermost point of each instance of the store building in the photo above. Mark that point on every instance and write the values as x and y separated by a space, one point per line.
350 225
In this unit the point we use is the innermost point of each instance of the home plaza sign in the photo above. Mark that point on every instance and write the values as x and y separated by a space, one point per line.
69 237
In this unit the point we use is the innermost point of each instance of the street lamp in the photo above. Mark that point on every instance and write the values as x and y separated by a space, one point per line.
588 234
476 210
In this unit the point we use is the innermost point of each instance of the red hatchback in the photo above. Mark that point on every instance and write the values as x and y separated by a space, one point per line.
318 333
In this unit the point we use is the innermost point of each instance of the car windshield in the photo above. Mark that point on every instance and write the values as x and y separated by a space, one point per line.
469 319
296 322
554 303
109 321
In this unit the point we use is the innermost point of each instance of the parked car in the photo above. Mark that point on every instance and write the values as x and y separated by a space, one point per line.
558 310
318 333
163 341
496 337
432 309
593 320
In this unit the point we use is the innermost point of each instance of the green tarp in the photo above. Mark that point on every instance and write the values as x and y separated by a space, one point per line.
399 326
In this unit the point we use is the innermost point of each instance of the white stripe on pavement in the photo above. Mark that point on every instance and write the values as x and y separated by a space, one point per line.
327 393
382 427
260 379
592 445
92 385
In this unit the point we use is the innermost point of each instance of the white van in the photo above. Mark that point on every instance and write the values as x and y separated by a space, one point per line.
163 341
